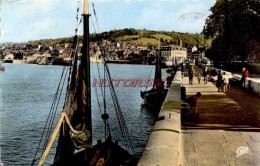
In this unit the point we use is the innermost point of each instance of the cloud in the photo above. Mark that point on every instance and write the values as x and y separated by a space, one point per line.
36 21
147 0
169 18
56 18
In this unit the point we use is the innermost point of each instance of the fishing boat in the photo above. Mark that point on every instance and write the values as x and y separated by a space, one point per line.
170 69
74 127
8 60
154 98
2 68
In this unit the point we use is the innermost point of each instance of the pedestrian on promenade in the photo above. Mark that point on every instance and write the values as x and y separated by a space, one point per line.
193 101
244 76
205 74
199 78
191 73
220 80
226 85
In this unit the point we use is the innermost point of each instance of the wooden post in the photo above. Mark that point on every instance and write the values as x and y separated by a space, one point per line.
85 7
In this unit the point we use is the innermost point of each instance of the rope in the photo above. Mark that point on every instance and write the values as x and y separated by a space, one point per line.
95 15
73 54
105 99
57 97
51 124
103 91
121 120
49 116
54 135
77 17
99 105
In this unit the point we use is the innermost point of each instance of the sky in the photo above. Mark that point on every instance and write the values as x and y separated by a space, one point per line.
27 20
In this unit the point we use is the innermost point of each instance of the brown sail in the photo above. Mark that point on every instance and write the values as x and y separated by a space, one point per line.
75 124
78 104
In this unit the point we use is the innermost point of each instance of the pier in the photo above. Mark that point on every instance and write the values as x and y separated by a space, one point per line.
163 145
226 132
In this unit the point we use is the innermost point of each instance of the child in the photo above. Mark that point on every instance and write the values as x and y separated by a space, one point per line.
220 80
226 85
205 75
193 101
191 73
199 78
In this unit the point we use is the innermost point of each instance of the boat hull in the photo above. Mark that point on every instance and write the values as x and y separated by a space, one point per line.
113 154
153 98
8 61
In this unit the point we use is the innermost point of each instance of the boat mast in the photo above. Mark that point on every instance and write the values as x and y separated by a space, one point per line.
77 108
86 65
158 74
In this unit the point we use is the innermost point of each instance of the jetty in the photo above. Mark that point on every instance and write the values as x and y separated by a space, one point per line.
163 145
226 132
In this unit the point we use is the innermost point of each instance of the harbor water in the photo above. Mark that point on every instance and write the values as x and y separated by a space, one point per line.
27 92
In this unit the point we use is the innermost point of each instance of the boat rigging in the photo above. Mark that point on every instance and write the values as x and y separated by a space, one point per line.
75 124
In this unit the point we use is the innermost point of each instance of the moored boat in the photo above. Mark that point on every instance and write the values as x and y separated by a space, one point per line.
74 127
2 68
154 98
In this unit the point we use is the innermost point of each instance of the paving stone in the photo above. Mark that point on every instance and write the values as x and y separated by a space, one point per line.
222 127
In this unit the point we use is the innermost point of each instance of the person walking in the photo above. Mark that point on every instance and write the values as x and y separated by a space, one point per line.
244 76
205 74
199 78
193 101
191 73
220 80
226 85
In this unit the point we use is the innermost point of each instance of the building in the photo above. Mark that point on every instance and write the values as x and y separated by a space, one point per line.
198 54
194 49
173 55
189 52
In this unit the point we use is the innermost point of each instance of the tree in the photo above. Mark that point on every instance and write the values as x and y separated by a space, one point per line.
161 40
235 27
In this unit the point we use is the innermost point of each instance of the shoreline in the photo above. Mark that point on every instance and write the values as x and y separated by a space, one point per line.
92 61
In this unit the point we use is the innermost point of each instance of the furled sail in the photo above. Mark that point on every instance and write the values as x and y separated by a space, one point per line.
78 104
75 124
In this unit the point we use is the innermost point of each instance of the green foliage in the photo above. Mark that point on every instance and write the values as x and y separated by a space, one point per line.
235 27
140 37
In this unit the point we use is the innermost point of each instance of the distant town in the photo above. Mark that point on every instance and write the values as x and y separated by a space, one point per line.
128 46
115 52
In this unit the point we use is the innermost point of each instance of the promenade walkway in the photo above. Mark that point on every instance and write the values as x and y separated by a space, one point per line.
223 126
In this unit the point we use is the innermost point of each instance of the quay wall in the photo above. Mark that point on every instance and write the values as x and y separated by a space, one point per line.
253 68
253 83
163 145
19 61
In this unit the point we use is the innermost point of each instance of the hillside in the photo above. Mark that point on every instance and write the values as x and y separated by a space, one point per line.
140 37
